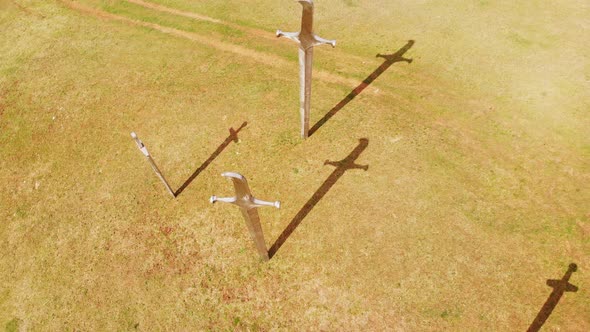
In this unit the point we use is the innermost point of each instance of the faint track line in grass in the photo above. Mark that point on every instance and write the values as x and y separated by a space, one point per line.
200 17
178 12
27 10
267 59
253 31
264 58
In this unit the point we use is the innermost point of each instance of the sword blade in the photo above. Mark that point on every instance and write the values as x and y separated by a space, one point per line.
146 153
253 223
305 63
160 175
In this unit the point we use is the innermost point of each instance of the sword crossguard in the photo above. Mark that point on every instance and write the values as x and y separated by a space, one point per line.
214 199
248 205
321 41
294 36
243 198
306 38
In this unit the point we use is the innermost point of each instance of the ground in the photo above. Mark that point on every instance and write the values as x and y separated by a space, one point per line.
476 191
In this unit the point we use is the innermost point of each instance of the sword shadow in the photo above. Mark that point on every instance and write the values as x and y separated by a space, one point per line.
233 136
390 59
341 167
559 287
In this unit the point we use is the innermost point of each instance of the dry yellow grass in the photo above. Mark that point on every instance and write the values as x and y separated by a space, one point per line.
476 192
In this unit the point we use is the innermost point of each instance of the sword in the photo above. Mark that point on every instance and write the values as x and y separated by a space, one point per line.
248 205
146 153
306 40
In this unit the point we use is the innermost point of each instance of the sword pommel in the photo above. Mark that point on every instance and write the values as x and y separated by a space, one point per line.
137 140
140 144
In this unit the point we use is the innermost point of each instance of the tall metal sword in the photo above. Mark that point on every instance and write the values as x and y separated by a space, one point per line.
248 206
306 40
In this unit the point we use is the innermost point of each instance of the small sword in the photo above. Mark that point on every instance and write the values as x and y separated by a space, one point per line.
146 153
306 40
248 205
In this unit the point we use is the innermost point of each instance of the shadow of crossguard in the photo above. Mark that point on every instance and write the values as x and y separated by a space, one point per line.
233 133
349 162
398 56
346 165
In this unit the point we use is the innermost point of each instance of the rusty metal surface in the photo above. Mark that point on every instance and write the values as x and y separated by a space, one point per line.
248 205
306 40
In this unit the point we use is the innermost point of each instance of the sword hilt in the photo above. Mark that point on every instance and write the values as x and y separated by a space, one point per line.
244 198
140 144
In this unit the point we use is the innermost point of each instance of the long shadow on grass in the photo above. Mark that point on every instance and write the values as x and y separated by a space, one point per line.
389 60
559 287
341 167
233 136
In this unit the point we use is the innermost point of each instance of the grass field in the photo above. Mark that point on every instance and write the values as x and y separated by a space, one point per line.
476 193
